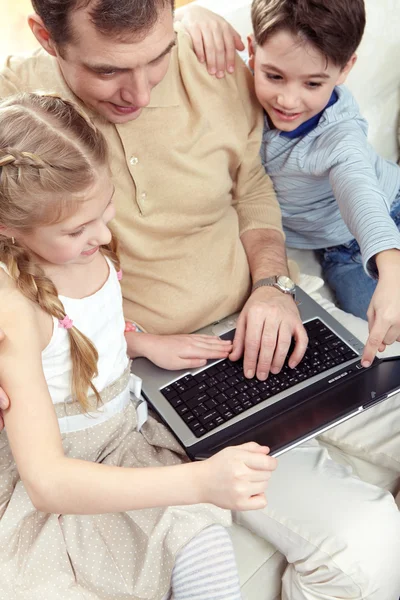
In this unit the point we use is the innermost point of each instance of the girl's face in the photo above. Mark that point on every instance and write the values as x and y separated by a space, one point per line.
77 238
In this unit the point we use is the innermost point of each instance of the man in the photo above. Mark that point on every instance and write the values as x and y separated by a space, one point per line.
194 208
197 223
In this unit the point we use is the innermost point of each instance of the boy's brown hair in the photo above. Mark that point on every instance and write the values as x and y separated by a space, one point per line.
334 27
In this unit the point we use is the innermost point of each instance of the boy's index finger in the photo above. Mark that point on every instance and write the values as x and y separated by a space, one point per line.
375 340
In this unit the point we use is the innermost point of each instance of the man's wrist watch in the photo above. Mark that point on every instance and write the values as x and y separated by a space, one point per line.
280 282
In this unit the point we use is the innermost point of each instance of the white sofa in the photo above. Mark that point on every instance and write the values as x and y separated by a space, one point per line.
375 82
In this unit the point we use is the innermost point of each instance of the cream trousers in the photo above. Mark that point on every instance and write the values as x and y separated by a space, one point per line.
331 509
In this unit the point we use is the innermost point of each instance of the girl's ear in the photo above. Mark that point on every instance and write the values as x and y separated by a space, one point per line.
251 45
41 34
346 70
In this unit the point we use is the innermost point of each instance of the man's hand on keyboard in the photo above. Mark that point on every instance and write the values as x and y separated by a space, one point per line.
4 401
264 331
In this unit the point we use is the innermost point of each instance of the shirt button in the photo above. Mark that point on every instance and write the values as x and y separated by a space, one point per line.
133 160
143 196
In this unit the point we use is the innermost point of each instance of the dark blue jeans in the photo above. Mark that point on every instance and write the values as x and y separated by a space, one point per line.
343 271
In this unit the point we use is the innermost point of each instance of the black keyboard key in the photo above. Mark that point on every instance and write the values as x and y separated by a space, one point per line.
232 381
202 376
232 402
221 398
231 371
226 413
197 400
200 431
189 380
222 376
212 392
194 391
169 392
175 402
211 404
208 417
326 337
189 418
219 420
199 411
222 386
210 425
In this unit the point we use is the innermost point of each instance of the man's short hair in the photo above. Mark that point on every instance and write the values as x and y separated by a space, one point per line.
334 27
121 18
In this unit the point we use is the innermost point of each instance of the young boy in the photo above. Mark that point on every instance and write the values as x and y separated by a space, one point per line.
331 184
337 195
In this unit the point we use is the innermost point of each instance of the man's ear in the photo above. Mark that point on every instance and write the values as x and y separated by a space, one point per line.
346 70
41 34
251 45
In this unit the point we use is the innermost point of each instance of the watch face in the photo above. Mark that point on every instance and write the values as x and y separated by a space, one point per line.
285 283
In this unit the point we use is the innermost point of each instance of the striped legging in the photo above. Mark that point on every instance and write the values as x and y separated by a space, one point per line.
205 569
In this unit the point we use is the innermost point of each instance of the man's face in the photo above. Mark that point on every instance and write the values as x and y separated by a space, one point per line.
293 80
115 78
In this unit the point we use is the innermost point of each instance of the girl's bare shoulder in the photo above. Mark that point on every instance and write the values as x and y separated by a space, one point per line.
20 316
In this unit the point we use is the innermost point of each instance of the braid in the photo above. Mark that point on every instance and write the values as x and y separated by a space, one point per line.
49 153
12 156
33 283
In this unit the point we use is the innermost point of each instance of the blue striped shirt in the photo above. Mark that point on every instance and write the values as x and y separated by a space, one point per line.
331 184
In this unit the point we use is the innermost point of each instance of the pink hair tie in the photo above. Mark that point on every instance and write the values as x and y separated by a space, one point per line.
66 322
129 326
119 275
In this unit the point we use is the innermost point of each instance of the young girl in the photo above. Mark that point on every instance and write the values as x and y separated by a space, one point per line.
85 509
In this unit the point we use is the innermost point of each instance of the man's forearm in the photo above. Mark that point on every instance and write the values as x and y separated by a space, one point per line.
266 253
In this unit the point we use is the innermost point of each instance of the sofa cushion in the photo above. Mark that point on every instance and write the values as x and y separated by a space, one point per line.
260 565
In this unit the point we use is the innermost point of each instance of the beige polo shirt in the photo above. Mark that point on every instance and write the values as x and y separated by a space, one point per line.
189 182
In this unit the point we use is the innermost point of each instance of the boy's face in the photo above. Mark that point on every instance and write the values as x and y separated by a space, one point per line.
293 80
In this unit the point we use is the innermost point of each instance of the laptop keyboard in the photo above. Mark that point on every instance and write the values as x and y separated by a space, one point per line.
220 392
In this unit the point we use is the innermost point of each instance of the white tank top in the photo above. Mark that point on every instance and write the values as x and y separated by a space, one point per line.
100 318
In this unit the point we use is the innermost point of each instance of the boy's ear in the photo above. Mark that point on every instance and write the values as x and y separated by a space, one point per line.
41 34
251 45
346 70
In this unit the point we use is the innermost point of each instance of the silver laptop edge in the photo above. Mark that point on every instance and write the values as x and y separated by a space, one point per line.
155 378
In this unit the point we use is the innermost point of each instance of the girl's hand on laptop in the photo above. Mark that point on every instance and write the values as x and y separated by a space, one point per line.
236 478
384 309
175 352
215 41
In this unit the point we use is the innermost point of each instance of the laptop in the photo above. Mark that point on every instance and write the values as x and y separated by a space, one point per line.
215 406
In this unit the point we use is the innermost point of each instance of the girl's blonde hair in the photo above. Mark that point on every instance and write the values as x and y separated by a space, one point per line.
49 152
